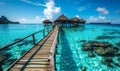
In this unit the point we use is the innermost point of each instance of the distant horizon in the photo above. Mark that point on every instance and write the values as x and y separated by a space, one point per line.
53 21
35 11
42 23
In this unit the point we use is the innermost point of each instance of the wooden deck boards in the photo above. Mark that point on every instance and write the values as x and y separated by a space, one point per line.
40 60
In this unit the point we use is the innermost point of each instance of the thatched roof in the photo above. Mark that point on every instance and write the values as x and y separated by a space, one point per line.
75 19
82 21
47 21
62 18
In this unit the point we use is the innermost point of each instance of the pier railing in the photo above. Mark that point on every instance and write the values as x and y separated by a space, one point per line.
34 41
48 29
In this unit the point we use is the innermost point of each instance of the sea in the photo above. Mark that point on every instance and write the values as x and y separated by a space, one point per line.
10 33
71 57
69 53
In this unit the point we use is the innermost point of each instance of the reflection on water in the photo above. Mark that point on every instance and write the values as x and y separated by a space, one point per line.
90 61
10 32
14 32
67 62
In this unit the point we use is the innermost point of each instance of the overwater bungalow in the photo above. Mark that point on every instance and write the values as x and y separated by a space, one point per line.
64 21
47 22
75 21
82 21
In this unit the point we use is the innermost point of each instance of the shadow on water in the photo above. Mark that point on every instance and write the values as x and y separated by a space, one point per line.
67 61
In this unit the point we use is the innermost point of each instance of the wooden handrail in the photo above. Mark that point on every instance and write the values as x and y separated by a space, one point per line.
26 63
19 59
53 51
33 37
24 38
26 53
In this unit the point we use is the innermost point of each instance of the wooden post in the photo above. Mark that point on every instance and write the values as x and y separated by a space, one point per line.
55 60
33 39
58 37
47 30
43 33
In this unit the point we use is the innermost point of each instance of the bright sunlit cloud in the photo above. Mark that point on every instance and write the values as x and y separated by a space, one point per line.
77 16
97 19
50 9
101 17
39 19
93 19
30 2
102 10
38 10
36 19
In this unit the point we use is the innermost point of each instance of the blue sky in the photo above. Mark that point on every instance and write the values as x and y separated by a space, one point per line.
35 11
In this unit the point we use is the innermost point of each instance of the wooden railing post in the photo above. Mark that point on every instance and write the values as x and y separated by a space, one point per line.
58 36
33 37
55 60
43 33
47 30
6 46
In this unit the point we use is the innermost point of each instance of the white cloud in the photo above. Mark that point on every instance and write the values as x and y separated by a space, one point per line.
97 19
23 20
77 16
101 17
81 8
93 19
51 9
102 10
30 2
39 19
36 19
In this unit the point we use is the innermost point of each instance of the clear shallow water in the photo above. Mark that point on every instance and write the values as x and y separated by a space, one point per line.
12 32
69 55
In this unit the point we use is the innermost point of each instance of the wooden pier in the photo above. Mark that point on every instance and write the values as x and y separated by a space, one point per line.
40 57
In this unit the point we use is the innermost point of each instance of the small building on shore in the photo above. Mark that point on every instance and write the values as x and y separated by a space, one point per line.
47 22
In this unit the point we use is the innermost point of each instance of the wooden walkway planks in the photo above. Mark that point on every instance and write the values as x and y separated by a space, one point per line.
42 59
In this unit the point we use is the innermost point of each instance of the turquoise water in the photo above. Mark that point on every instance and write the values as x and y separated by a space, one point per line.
10 32
13 32
69 55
